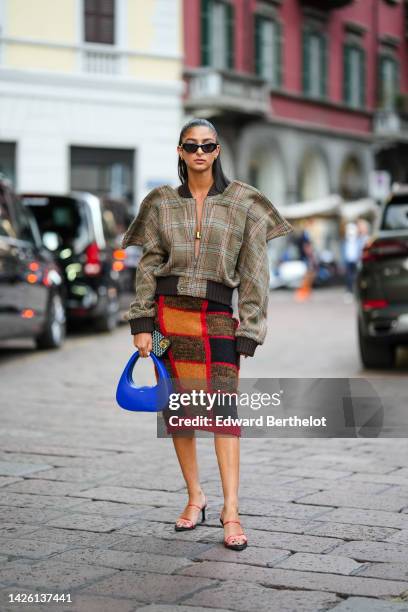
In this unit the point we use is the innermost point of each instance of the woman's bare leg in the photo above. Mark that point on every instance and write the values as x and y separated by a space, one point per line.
186 451
227 449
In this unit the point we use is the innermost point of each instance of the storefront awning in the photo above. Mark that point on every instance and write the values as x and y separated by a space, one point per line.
311 208
366 207
332 205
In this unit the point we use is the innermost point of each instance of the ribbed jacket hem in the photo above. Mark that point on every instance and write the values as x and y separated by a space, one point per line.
246 346
218 292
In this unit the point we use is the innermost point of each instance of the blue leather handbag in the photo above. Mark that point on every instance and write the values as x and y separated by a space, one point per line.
144 399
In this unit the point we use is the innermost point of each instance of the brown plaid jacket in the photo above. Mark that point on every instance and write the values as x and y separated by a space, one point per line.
235 227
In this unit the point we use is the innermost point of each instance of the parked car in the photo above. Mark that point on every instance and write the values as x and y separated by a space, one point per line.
117 218
31 283
381 285
85 241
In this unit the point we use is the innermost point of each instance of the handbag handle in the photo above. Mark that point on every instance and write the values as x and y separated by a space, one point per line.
145 399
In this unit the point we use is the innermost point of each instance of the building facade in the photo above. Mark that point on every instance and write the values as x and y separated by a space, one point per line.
309 97
90 94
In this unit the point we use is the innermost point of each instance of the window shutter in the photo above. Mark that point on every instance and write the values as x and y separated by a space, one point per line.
306 62
346 74
258 43
230 35
381 82
362 77
206 6
278 53
396 79
323 66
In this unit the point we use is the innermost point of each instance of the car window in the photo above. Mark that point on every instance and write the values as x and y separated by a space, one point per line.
395 216
115 218
63 216
27 230
110 229
6 225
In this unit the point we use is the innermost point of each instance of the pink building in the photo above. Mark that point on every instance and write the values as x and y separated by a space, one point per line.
309 96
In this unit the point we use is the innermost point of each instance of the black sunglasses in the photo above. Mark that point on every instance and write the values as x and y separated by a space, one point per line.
192 147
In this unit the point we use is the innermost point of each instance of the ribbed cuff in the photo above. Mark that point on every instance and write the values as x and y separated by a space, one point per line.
246 346
141 324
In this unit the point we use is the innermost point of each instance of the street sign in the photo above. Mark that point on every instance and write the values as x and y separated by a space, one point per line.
379 184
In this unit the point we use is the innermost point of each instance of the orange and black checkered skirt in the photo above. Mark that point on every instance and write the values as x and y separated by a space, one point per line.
202 356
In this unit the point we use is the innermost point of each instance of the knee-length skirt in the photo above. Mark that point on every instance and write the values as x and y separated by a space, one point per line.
202 356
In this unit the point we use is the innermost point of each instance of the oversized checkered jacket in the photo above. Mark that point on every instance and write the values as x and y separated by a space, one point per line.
236 225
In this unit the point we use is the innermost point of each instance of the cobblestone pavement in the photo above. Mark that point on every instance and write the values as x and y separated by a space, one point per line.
89 495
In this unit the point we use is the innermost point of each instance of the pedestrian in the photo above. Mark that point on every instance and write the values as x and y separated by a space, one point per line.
309 257
352 247
200 241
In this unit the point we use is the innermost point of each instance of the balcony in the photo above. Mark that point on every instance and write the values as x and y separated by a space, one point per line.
391 124
218 90
101 59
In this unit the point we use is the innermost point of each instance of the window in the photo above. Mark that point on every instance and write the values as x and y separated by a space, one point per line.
354 75
99 21
388 82
268 60
396 214
103 172
314 64
8 226
217 34
15 220
7 161
28 230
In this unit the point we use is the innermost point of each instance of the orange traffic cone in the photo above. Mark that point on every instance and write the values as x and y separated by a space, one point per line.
303 292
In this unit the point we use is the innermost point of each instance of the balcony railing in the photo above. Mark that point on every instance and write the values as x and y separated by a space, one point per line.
217 89
101 60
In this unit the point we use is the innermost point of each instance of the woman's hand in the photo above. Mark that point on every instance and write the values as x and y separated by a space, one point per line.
143 342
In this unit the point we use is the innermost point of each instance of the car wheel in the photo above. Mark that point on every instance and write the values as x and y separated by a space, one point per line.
375 355
53 334
109 320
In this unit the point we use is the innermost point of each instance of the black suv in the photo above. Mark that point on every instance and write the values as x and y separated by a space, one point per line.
31 283
84 237
382 284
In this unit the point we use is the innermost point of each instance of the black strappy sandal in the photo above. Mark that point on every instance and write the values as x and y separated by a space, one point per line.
234 535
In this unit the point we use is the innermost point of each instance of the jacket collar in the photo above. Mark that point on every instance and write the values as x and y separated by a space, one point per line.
184 190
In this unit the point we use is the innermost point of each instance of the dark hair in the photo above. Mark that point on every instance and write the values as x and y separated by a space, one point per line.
220 180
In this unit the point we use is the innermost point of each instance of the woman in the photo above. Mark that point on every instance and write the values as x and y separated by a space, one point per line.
199 243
